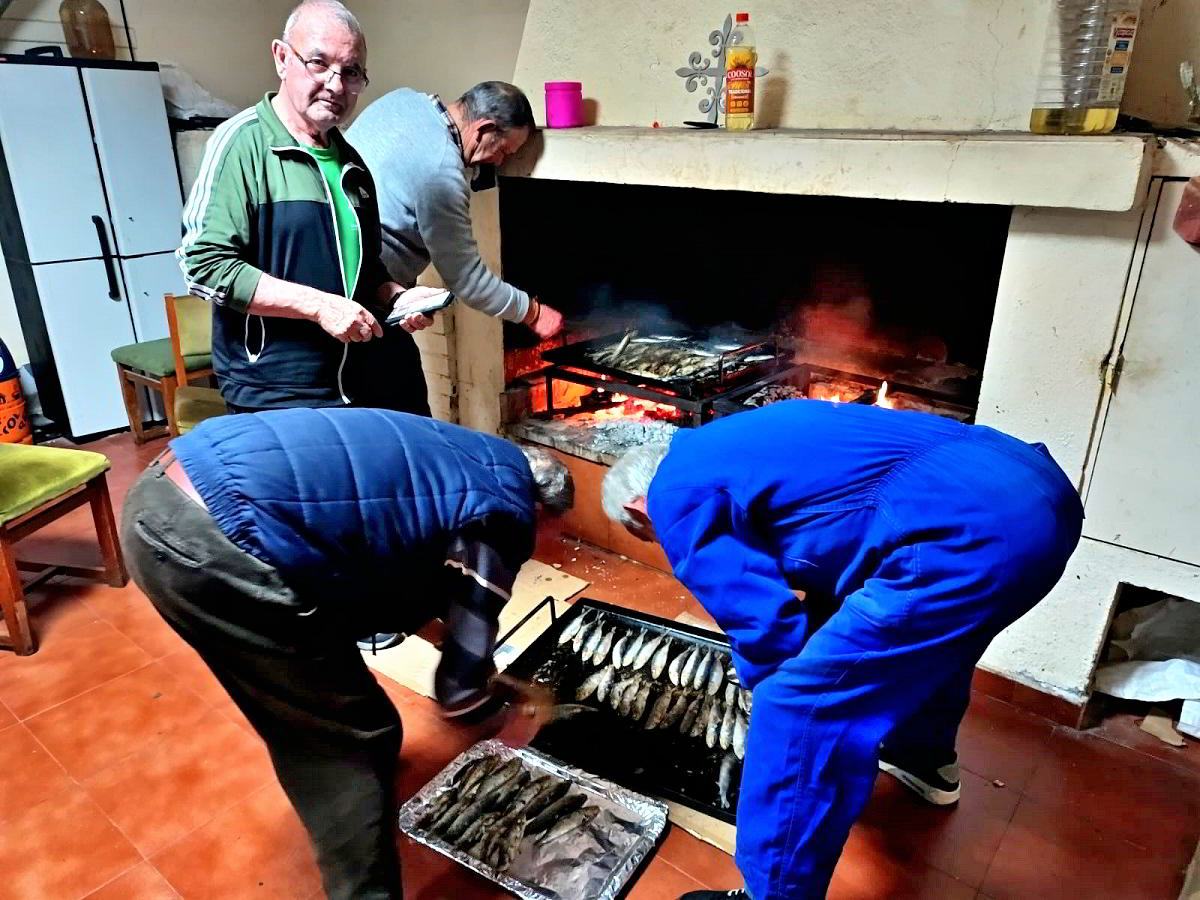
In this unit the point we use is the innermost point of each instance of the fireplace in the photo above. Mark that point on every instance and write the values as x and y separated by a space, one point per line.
668 326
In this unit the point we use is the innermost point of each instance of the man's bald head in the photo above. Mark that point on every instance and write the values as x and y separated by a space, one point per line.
321 49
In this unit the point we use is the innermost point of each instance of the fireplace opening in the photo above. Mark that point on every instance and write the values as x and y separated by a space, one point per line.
683 305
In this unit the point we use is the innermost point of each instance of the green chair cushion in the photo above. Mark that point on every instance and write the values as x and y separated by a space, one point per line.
31 476
154 357
195 404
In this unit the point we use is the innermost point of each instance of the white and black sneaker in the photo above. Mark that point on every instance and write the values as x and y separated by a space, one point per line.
380 641
939 786
739 894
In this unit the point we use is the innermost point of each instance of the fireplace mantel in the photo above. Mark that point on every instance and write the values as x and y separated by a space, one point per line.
1108 172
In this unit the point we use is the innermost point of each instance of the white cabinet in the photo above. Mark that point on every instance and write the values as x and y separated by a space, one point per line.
1144 489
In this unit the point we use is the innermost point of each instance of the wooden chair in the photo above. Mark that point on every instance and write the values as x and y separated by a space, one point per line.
189 323
37 486
152 365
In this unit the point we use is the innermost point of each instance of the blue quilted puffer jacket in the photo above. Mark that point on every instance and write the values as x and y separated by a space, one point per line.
358 500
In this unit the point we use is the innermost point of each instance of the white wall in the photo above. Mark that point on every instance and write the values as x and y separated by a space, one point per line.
927 65
1170 34
442 47
225 44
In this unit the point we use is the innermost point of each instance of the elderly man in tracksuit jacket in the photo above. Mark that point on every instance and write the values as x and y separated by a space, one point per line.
914 539
282 235
270 541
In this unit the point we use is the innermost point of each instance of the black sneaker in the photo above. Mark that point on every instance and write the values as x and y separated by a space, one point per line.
939 786
739 894
380 641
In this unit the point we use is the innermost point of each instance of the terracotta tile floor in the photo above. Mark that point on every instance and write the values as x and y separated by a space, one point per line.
126 772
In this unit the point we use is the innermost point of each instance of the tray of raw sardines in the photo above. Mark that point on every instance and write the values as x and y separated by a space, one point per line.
540 828
669 716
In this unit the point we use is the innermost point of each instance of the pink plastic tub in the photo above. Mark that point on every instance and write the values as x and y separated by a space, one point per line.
564 104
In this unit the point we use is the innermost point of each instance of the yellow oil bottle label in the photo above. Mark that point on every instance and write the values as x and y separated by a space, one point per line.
739 81
14 426
1116 60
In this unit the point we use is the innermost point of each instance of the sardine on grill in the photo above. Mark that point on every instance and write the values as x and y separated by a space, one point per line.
725 779
592 640
601 652
572 629
633 649
658 712
676 710
647 651
712 728
658 661
591 684
716 677
689 666
727 723
618 652
641 697
701 723
700 677
676 667
741 729
689 715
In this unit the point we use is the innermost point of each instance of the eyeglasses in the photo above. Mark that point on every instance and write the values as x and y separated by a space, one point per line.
353 77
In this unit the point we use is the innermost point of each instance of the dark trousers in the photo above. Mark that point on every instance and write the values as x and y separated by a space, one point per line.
291 666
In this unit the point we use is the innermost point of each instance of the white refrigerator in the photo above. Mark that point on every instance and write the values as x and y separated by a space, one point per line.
89 222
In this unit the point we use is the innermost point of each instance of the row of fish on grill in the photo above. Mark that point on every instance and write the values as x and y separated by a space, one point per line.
700 697
491 807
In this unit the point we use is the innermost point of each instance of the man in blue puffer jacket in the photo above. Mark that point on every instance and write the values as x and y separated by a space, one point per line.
269 541
914 540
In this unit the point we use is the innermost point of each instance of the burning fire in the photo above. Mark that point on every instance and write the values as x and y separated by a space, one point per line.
633 408
883 399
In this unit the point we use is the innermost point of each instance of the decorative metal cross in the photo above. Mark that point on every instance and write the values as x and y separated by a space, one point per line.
699 70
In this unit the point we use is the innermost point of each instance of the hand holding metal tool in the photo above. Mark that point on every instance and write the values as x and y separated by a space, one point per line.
530 707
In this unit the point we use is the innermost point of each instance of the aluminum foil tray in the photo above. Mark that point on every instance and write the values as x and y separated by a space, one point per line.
594 862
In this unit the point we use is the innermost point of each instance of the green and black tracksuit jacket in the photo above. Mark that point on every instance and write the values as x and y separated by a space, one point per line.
260 204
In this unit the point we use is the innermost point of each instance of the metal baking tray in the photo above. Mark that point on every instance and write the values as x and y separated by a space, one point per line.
597 861
731 364
657 762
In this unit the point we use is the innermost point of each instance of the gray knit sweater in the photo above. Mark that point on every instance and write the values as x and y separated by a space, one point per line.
425 200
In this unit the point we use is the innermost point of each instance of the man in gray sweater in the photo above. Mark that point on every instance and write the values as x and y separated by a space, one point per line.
422 153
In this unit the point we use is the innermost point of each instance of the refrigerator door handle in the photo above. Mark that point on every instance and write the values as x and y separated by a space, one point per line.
114 293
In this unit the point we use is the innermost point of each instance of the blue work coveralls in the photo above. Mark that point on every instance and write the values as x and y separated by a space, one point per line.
927 538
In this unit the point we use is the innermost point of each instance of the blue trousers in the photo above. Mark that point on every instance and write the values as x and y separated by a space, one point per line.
984 532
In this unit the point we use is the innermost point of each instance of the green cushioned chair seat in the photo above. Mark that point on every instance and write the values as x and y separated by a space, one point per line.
155 358
31 476
195 404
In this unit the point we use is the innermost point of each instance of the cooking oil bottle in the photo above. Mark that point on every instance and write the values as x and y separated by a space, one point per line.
1088 45
740 60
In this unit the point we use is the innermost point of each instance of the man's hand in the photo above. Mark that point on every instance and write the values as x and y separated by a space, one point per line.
346 320
546 321
530 706
417 321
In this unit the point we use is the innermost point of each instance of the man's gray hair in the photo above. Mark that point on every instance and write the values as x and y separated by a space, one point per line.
503 103
552 484
334 8
630 478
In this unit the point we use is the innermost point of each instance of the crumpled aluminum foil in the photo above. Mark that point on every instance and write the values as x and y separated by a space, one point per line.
593 863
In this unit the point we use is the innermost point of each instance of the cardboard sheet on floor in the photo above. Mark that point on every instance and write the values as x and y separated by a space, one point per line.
413 662
685 618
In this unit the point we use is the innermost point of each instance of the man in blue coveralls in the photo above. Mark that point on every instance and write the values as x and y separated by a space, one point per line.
914 539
